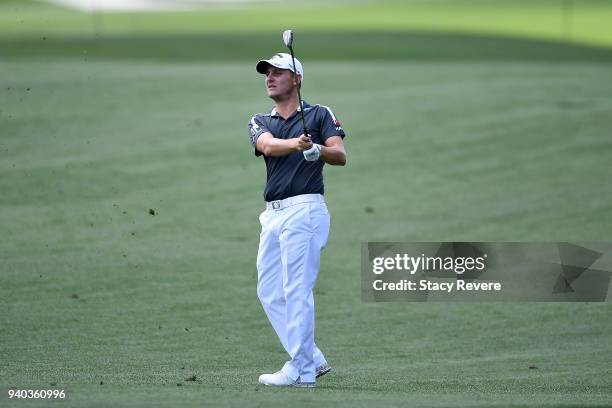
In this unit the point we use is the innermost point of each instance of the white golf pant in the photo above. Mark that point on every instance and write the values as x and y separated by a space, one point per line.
293 234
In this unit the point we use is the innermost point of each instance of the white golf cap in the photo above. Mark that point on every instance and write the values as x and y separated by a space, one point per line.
282 61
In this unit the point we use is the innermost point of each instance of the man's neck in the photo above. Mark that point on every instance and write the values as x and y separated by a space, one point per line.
286 107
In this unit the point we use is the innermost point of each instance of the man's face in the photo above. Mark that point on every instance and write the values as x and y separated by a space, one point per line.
279 83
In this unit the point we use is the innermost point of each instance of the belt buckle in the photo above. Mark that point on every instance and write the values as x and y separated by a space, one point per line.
276 205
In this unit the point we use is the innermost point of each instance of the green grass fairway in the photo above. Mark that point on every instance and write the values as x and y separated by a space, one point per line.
467 120
581 21
119 307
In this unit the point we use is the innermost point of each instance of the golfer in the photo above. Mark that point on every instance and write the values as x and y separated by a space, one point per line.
295 224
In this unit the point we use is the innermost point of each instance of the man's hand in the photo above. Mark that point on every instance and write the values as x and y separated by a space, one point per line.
313 153
303 143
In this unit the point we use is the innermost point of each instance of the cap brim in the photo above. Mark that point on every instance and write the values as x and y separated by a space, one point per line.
262 66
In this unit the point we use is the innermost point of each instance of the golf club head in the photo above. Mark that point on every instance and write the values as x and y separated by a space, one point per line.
288 38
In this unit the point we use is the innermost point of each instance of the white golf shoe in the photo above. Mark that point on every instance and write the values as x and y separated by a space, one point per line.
322 370
280 379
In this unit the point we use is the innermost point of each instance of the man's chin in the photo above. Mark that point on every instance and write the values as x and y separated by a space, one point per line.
274 96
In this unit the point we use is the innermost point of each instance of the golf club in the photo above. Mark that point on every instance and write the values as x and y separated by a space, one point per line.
288 40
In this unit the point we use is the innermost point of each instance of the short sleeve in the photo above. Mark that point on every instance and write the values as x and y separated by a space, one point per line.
330 125
256 128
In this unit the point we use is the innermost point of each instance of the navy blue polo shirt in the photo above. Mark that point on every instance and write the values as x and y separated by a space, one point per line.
292 175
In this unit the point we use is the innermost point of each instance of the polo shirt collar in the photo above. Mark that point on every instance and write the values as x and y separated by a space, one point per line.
306 106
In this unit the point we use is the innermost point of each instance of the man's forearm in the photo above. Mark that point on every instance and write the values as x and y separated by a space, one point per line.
333 155
277 147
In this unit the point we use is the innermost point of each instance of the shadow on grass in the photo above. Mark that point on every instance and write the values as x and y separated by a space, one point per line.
311 46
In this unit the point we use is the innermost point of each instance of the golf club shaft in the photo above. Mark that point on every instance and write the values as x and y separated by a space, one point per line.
299 93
